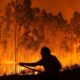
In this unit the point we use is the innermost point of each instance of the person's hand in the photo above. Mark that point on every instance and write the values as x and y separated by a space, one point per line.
21 64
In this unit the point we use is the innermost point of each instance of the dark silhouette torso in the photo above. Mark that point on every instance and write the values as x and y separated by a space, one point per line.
51 65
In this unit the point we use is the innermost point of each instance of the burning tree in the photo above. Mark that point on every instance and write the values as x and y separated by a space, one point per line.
25 17
5 22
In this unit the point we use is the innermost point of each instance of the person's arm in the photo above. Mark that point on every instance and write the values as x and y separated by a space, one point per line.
27 64
31 64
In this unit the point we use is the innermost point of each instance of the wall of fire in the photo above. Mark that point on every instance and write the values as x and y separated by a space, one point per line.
24 31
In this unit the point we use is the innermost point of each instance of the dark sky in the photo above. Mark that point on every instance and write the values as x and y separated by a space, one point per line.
67 7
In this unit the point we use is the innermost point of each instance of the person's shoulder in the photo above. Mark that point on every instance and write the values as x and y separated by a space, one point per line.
53 57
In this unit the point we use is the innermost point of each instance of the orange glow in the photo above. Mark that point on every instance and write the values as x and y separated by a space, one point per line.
67 58
67 7
7 62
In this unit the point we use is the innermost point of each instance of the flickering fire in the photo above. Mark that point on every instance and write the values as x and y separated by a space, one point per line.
21 40
7 62
8 67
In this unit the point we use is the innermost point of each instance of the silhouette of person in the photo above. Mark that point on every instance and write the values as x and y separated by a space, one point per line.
48 61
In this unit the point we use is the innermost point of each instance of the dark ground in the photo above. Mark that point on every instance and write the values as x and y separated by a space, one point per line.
72 73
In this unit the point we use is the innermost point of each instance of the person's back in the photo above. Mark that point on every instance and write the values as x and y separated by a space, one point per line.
50 62
51 65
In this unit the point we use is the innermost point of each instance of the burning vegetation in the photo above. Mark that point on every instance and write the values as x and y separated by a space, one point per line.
24 30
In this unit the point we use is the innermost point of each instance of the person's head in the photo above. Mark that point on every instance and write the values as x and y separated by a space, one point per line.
45 51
